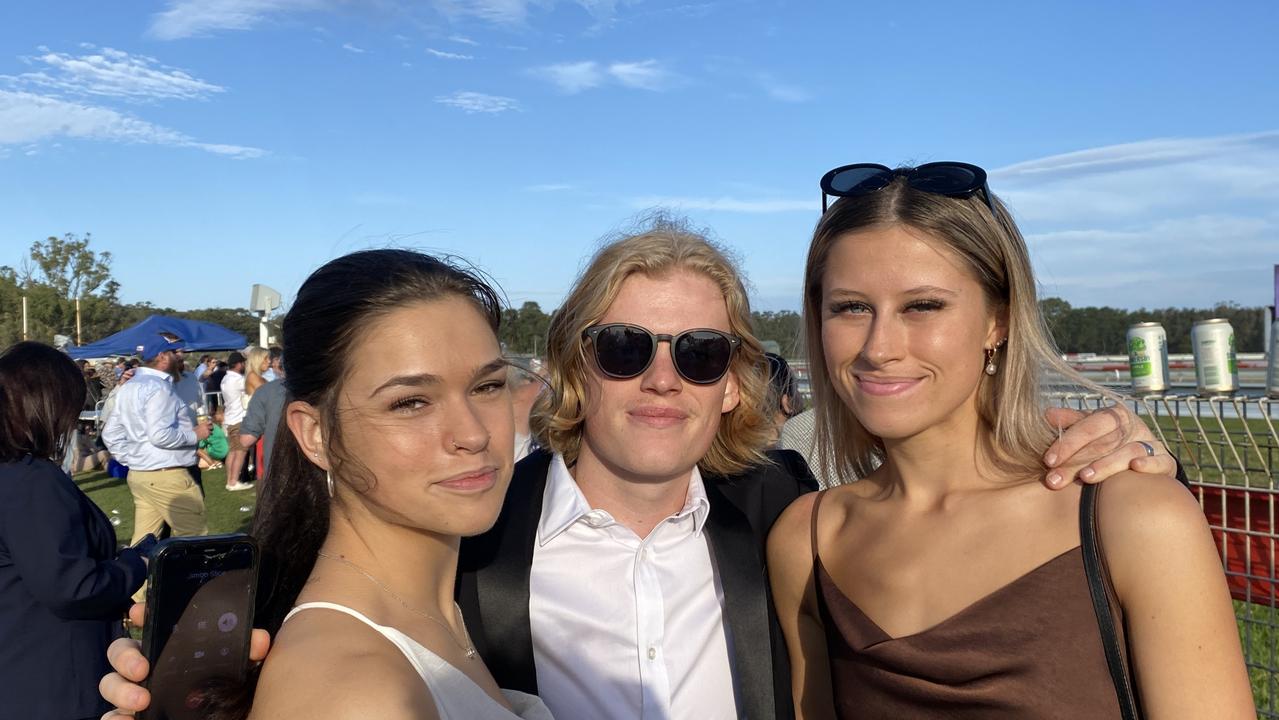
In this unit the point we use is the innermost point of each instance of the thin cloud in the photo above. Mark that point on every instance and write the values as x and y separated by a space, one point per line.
463 40
192 18
1189 220
643 75
448 55
517 12
575 77
726 204
1142 179
352 48
571 78
28 118
1159 152
112 73
474 102
783 92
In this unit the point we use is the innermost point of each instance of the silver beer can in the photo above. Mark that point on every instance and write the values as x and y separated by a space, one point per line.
1148 358
1213 342
1272 368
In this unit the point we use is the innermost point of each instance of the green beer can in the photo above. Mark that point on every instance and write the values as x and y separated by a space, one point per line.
1148 358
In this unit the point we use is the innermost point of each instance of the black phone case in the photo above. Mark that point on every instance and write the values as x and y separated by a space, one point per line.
156 580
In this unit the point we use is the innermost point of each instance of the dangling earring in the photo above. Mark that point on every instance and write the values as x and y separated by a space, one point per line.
990 360
328 477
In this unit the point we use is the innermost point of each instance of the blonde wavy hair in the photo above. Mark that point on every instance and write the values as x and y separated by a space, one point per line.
667 247
1010 404
256 361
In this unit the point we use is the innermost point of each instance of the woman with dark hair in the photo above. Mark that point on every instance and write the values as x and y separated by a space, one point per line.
400 442
63 588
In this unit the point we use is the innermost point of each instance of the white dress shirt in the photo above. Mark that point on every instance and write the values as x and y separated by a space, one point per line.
232 398
150 428
625 627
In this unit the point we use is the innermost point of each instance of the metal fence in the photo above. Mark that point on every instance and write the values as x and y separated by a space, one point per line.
1229 448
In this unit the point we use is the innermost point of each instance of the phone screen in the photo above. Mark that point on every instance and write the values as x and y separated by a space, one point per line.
199 616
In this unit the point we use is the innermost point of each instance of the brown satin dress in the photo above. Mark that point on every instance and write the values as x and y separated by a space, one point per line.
1030 649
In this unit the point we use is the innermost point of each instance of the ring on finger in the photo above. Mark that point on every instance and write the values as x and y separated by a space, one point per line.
1150 449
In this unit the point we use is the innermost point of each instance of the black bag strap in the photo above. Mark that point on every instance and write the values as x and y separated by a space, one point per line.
1095 569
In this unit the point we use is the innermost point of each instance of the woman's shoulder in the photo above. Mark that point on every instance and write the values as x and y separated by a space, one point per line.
1146 525
27 474
1136 506
327 664
794 527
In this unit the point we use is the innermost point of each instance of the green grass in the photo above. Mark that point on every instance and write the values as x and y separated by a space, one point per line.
1259 628
227 511
1204 440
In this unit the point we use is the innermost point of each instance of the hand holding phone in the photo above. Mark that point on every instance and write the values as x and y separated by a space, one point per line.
198 620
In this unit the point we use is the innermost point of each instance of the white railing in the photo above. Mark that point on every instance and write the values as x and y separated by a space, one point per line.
1229 448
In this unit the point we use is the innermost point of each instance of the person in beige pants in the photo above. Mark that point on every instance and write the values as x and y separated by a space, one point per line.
152 433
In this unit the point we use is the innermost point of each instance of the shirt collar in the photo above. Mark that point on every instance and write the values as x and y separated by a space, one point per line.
154 373
564 504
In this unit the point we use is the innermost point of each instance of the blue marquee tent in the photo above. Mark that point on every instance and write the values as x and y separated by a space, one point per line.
196 335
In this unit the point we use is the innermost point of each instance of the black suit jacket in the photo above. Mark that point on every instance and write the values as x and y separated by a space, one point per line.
493 576
63 592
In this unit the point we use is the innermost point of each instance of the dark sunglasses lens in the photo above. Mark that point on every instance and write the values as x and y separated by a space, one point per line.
945 180
623 351
703 357
857 181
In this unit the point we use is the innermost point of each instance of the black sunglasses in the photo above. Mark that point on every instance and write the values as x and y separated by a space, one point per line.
622 351
952 179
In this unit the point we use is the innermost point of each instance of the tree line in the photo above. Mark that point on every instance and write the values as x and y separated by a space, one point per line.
1103 330
61 269
58 270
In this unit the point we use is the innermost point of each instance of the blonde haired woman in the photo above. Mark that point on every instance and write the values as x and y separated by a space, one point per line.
256 363
947 583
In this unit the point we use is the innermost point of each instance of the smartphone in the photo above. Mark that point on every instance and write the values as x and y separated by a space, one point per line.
199 616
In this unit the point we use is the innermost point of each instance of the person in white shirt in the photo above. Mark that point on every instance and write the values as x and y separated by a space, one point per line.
233 410
152 432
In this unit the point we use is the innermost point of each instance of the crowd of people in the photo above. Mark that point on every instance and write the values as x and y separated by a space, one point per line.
656 554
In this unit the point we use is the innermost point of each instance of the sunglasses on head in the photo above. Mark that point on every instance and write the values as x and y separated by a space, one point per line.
952 179
701 356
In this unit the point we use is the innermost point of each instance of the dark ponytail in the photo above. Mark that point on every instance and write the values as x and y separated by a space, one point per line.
321 332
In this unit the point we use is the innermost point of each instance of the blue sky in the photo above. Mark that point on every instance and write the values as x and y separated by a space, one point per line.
212 144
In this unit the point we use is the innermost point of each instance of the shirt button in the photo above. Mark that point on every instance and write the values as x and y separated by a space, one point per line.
652 653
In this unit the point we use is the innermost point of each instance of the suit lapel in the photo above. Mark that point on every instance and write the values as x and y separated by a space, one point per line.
735 546
503 583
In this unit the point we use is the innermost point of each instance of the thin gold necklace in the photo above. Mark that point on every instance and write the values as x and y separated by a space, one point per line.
468 647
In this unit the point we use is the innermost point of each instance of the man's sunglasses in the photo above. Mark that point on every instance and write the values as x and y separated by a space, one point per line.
952 179
701 356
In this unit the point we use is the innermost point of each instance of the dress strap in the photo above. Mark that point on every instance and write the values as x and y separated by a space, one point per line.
340 608
817 502
394 636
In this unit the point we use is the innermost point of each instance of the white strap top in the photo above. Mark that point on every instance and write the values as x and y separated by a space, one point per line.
457 697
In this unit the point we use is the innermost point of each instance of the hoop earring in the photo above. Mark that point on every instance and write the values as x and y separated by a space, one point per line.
328 478
991 368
